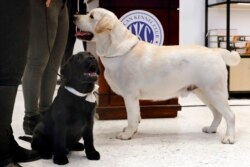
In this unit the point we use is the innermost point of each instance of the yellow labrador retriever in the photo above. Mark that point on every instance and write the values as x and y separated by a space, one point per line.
138 70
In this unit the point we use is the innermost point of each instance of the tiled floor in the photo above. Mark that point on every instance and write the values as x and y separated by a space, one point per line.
161 142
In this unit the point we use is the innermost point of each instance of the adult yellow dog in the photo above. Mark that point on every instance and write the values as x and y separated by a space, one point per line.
138 70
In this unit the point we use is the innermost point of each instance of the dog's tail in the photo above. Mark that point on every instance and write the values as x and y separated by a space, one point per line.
25 138
230 58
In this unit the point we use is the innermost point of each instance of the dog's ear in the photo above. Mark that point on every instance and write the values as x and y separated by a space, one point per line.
66 72
66 69
104 25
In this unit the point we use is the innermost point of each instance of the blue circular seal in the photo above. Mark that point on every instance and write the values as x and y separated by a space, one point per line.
144 25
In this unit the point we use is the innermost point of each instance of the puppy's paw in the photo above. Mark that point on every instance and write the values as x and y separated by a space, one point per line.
77 147
93 155
46 155
228 140
208 129
60 160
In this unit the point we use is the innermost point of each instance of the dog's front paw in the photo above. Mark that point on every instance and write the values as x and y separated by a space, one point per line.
228 140
93 155
125 135
208 129
60 160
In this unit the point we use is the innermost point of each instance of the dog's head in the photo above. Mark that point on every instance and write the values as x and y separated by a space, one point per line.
97 21
103 27
80 72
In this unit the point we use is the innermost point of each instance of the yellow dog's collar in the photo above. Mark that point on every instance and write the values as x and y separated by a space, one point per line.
131 48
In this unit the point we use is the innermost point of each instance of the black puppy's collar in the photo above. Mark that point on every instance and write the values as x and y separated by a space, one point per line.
90 97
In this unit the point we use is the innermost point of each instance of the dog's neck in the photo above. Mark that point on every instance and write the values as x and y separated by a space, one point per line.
111 45
90 97
123 53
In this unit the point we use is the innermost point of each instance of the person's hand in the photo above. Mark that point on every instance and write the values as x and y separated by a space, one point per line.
47 2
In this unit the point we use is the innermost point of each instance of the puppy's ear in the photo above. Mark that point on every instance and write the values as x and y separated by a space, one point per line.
66 68
104 25
66 72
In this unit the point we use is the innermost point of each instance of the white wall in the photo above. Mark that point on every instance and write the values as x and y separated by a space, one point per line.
192 21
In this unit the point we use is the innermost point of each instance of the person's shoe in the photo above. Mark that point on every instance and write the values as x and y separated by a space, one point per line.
29 123
20 154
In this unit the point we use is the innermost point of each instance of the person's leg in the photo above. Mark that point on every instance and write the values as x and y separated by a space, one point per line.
7 100
13 52
36 62
72 8
50 74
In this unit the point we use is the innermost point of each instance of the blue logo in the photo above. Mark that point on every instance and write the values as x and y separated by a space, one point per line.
144 25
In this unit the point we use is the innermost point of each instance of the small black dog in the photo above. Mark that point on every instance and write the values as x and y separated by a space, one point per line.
71 116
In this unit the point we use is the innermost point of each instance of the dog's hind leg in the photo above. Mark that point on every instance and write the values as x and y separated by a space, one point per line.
217 116
42 147
218 99
133 116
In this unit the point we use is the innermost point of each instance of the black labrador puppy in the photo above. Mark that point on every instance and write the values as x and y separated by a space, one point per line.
71 116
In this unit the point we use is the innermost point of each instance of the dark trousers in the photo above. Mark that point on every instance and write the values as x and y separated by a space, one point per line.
14 17
14 35
72 10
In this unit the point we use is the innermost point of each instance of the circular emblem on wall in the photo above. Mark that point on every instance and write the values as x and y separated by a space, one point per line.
144 25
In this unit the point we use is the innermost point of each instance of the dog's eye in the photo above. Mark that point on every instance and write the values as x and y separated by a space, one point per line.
91 16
